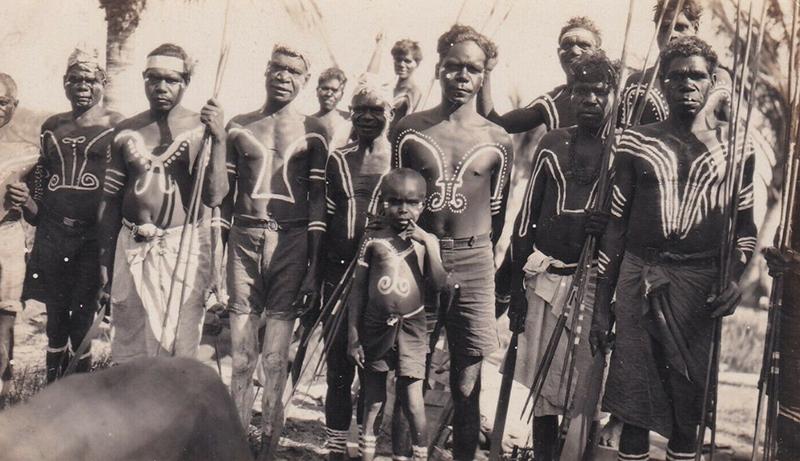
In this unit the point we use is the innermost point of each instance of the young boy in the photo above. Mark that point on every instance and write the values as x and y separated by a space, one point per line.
387 327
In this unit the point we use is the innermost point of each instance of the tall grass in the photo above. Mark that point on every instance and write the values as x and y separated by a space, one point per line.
743 340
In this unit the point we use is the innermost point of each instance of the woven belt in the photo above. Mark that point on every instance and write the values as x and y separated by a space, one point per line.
448 243
268 223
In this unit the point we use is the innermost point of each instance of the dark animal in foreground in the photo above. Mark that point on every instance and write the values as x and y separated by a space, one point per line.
149 409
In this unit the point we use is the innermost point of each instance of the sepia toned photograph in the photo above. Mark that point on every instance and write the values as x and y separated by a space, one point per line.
518 230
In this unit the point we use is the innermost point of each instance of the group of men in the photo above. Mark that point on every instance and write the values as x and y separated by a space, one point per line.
110 198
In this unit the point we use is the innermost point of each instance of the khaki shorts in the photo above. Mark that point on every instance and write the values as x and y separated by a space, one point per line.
265 270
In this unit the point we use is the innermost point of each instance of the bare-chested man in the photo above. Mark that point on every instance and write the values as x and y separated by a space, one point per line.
17 157
276 168
552 109
62 270
406 55
656 108
465 160
330 89
147 189
353 175
658 256
546 245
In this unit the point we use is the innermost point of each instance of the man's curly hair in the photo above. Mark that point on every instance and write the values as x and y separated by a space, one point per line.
582 22
685 47
691 8
594 66
407 46
461 33
332 73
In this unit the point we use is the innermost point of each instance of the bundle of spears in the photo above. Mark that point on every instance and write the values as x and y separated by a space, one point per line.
768 381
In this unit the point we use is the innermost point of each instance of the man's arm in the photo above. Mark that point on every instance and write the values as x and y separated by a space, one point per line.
374 65
523 236
516 121
318 152
500 186
728 299
332 176
109 213
356 303
435 273
612 245
215 185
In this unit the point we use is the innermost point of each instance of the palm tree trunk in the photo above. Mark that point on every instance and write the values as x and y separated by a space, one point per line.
122 19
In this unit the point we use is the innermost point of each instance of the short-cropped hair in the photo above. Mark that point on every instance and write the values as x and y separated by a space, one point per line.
691 8
175 51
582 22
407 46
332 73
594 66
685 47
460 33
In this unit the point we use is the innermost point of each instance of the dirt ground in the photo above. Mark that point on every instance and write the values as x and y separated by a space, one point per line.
304 431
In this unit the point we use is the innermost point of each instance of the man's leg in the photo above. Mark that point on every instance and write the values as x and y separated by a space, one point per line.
338 402
409 394
57 338
465 386
80 321
634 444
374 399
83 306
274 362
244 352
545 436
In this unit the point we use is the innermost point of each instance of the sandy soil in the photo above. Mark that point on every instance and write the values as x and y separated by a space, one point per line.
304 432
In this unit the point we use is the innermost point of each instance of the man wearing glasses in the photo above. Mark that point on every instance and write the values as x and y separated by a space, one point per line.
146 194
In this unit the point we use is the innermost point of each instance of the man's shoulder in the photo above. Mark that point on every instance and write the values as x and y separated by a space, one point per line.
242 120
417 121
652 133
559 92
344 151
54 121
555 140
314 125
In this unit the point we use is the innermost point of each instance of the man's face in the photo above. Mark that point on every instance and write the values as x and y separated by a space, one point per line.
329 93
591 103
687 82
403 201
8 104
286 76
404 65
683 28
83 87
370 116
164 88
461 72
574 43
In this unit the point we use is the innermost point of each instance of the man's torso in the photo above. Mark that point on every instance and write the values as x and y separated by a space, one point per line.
158 166
273 165
74 159
458 164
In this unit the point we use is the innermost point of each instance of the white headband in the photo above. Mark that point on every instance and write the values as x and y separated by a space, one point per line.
166 62
572 32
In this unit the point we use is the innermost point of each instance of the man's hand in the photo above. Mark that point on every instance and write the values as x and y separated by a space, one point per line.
18 193
600 334
726 302
596 222
308 294
777 262
213 117
356 353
